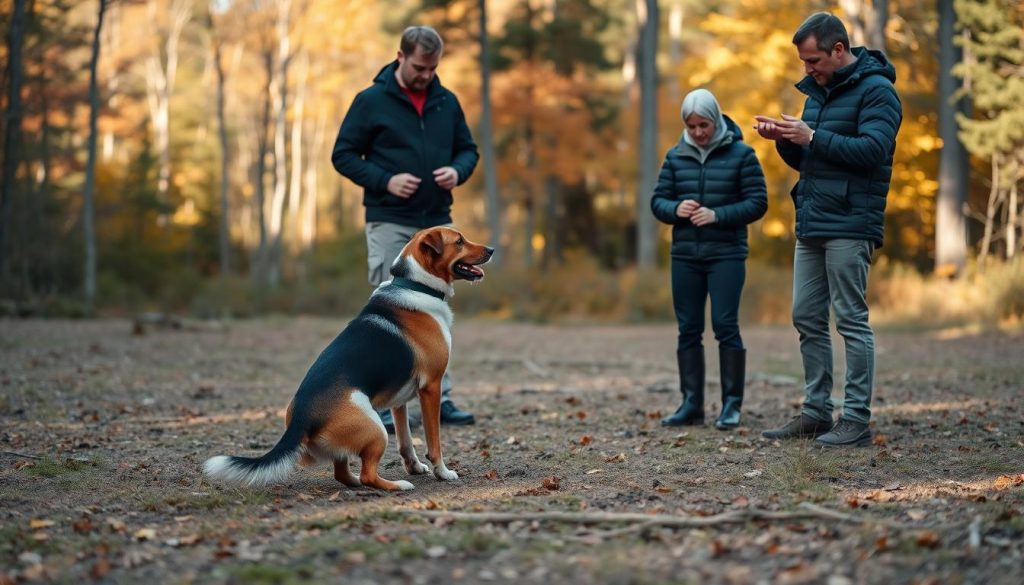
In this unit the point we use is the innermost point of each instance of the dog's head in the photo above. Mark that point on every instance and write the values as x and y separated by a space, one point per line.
443 253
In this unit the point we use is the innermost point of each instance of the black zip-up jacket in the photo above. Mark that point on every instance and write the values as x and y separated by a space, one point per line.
845 171
383 135
730 181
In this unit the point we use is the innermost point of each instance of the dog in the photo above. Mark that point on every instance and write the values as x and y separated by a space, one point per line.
396 348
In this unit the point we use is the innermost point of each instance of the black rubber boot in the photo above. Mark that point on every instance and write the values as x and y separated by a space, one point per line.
691 384
733 364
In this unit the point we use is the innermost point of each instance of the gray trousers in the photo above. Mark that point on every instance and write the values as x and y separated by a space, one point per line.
834 273
384 242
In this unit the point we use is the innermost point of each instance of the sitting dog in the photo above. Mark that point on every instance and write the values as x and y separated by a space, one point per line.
397 347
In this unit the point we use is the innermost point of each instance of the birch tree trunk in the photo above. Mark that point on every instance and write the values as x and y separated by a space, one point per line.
279 95
298 127
161 72
646 229
12 125
90 170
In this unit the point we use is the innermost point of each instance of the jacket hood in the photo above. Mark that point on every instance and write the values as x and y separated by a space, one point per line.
869 62
733 134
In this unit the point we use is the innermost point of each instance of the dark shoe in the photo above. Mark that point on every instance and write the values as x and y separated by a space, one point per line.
451 415
691 385
800 427
846 433
733 364
389 421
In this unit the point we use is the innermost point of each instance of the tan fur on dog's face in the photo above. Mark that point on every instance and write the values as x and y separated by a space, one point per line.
447 254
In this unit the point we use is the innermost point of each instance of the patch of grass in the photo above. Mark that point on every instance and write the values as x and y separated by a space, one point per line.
267 573
806 473
50 468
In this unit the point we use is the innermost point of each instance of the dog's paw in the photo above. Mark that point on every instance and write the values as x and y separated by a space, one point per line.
445 474
417 468
405 485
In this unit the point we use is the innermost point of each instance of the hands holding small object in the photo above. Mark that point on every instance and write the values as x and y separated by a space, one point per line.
788 128
692 210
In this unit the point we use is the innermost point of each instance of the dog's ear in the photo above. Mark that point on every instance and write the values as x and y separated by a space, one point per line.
434 241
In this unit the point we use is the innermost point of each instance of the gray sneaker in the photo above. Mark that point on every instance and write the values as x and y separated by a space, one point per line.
800 427
846 433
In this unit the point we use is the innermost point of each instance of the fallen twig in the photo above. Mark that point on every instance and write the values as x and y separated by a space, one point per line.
807 511
25 455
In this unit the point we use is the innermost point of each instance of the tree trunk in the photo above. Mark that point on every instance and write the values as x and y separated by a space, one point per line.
12 126
272 263
225 164
493 199
675 49
262 149
160 78
854 12
954 168
90 170
646 229
990 211
877 25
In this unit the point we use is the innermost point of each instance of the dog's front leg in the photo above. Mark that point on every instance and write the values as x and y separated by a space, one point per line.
413 466
430 404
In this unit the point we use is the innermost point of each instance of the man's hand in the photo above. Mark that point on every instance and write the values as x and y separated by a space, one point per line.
446 177
795 130
788 128
403 185
768 127
686 208
703 216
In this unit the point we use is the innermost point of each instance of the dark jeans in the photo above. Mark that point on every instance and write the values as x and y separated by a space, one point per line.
692 283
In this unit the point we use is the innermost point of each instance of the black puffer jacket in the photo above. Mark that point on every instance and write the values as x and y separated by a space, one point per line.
730 182
845 171
383 135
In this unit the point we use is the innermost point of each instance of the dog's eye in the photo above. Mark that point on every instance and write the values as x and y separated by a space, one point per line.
459 242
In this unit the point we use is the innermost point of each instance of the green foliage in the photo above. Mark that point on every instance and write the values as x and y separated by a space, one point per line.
995 72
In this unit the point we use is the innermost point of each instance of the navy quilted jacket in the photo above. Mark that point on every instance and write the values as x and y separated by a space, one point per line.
845 171
730 182
383 135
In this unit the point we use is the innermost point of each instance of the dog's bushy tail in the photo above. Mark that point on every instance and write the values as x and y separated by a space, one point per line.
273 467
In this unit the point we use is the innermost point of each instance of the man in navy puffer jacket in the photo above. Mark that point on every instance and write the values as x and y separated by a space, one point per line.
710 188
843 146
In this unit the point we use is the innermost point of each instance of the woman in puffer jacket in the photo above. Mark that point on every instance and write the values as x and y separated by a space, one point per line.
710 188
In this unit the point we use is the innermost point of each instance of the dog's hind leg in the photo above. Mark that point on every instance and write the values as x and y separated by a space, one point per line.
405 447
355 427
343 474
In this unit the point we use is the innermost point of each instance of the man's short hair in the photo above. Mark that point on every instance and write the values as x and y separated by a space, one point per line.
424 37
826 29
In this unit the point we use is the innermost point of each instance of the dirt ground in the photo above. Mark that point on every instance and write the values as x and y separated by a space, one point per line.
103 432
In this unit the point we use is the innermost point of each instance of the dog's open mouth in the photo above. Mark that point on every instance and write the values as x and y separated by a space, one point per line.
467 271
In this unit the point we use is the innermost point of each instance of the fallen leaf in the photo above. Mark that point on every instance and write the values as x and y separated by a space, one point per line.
585 440
928 539
892 487
581 415
852 502
551 483
879 440
663 489
83 525
917 515
1003 482
144 534
36 523
100 569
614 458
753 473
492 474
593 471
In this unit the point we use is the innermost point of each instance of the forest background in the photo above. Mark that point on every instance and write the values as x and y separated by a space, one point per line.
173 155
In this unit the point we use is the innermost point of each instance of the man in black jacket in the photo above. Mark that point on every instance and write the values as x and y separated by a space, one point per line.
843 146
406 143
